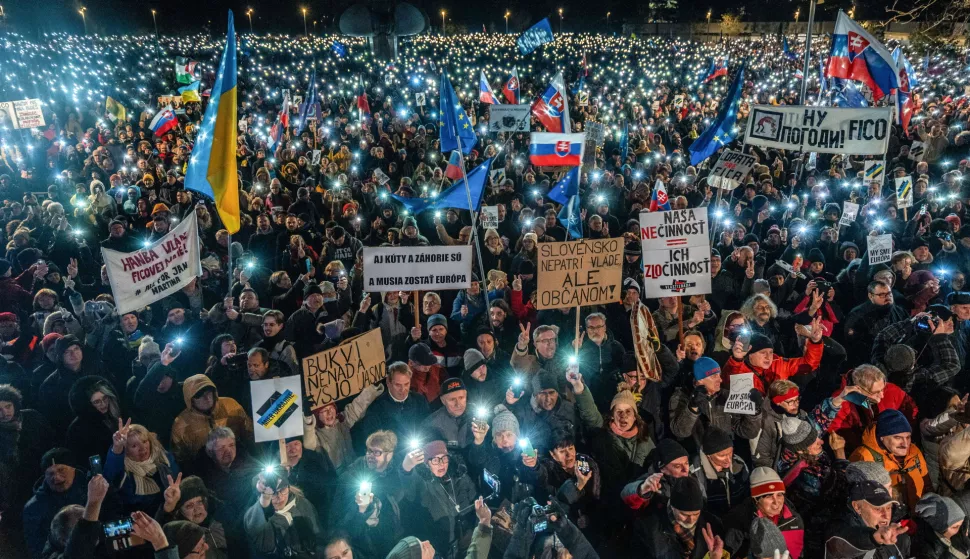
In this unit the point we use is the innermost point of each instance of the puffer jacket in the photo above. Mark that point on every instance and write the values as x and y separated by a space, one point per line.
909 475
852 419
780 368
954 457
684 423
767 449
191 427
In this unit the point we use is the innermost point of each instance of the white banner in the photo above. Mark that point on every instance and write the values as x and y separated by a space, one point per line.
430 268
820 129
917 150
26 113
880 248
489 217
730 169
509 118
739 400
676 252
144 276
850 212
904 192
277 408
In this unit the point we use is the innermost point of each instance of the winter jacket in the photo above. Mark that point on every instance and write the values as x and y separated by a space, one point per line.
954 458
439 508
374 532
852 419
780 368
737 526
724 489
428 384
850 538
155 410
91 432
685 423
335 441
124 482
54 396
403 418
272 536
44 505
767 451
455 431
191 427
653 535
927 543
910 478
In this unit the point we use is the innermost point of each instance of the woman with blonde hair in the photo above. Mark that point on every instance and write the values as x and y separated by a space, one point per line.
139 467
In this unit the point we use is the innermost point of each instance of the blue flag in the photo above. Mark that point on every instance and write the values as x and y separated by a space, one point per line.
569 215
454 196
910 71
566 188
625 142
453 121
721 131
339 49
850 97
308 101
534 37
787 51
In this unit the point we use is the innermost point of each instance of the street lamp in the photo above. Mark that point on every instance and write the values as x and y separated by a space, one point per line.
798 12
442 22
608 19
155 22
84 19
305 32
708 21
249 13
560 20
507 14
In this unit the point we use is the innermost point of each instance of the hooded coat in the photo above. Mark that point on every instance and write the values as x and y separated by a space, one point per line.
156 410
91 431
44 505
191 428
909 475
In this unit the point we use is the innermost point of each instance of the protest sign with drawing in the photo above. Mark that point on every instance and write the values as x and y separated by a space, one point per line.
739 400
880 248
420 268
820 129
277 408
850 212
25 113
579 273
875 171
904 192
345 370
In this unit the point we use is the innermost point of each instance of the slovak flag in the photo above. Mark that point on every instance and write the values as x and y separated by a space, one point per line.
904 94
857 55
485 94
659 200
511 87
552 108
717 70
453 170
164 121
282 124
556 150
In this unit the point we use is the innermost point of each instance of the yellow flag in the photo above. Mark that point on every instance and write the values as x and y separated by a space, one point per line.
116 111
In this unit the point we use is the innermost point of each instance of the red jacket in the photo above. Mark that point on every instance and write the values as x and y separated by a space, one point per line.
429 384
780 368
852 419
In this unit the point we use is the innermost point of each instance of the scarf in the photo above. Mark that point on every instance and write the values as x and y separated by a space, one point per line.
684 535
142 472
624 434
285 511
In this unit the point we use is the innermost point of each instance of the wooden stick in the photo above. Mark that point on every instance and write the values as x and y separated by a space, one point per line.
283 459
417 310
905 214
577 332
680 319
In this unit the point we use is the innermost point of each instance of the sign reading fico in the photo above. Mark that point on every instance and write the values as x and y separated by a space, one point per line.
820 129
730 169
676 253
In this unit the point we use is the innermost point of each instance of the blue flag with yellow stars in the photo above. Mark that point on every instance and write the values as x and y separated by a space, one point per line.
453 122
722 130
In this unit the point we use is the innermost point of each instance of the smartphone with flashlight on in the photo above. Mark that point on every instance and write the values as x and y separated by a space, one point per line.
528 449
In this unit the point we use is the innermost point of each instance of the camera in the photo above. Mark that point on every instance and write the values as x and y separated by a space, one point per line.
944 236
118 528
823 286
538 515
923 324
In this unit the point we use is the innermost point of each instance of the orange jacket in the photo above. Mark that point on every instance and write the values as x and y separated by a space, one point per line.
780 368
909 475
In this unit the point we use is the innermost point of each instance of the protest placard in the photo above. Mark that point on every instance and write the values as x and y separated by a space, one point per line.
820 129
739 400
497 176
904 192
489 217
731 168
880 248
579 273
850 212
345 370
420 268
277 408
679 100
917 150
146 275
420 99
676 252
26 113
381 176
596 132
509 118
582 98
875 172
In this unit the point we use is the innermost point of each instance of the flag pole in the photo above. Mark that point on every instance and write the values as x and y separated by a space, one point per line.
808 50
474 236
229 243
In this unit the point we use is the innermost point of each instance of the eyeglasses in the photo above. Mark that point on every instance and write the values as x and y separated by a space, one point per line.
376 452
439 460
596 328
546 341
880 295
99 402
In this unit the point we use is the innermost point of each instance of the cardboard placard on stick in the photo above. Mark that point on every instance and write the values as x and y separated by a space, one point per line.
880 248
579 273
345 370
739 400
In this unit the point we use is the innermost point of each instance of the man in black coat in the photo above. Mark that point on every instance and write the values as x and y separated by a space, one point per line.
398 409
682 528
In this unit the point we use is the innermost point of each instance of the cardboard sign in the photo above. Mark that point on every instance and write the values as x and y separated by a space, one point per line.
317 154
345 370
731 168
917 150
582 98
420 99
146 275
26 113
850 212
381 176
739 400
875 172
509 118
820 129
579 273
679 100
880 248
489 217
429 268
904 192
676 252
277 408
497 176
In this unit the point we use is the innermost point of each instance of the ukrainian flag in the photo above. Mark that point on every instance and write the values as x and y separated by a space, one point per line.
116 111
212 165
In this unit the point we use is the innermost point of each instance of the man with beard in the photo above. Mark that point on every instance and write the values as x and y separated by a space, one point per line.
869 318
276 344
600 357
482 381
204 410
500 320
160 222
682 528
767 501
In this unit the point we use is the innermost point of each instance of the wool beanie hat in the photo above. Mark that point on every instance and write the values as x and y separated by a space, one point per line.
311 289
192 487
759 342
797 434
437 320
892 422
505 421
705 367
57 456
715 440
472 360
765 481
421 354
63 344
899 358
148 350
407 548
685 494
667 451
624 397
858 472
766 539
49 340
184 534
547 380
939 512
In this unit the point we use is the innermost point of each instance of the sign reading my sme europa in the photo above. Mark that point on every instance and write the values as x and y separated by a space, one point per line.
579 273
429 268
676 252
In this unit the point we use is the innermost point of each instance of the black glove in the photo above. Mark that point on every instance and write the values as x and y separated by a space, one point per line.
757 398
698 398
556 509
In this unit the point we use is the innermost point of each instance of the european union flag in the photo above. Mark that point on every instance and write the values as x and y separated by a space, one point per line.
789 54
566 188
570 215
625 142
722 130
339 49
308 101
534 37
454 196
454 123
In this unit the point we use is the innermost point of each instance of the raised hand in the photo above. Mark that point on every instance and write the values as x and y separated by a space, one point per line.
715 544
146 528
480 429
483 513
72 268
681 354
169 354
120 438
173 493
651 484
97 489
517 283
365 303
524 332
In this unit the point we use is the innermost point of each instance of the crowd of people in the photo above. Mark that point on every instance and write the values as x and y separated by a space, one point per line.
497 430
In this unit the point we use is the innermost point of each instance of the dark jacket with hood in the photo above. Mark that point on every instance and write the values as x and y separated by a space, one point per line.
91 431
435 514
850 538
54 395
44 505
156 410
